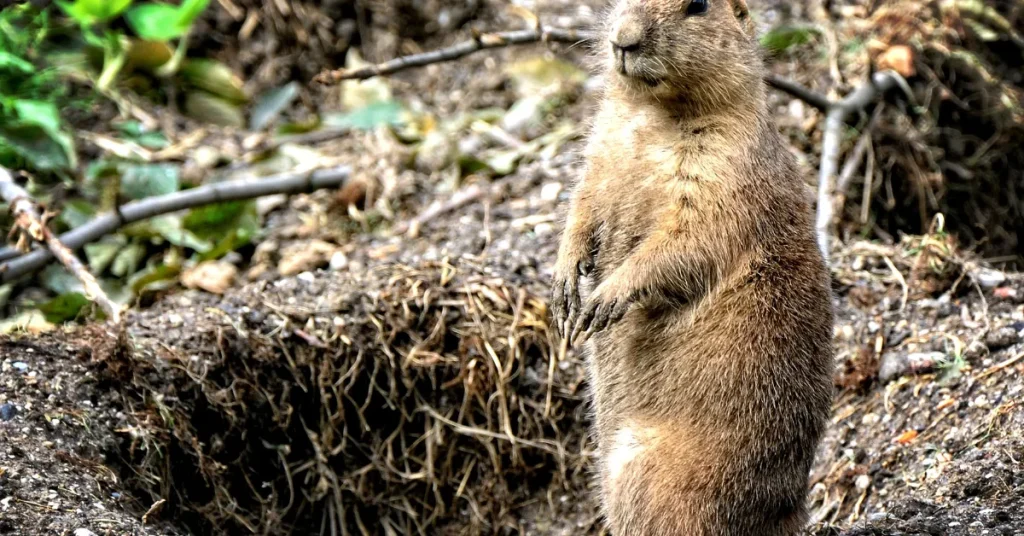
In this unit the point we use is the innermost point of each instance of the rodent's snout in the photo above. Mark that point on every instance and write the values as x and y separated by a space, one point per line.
626 36
629 50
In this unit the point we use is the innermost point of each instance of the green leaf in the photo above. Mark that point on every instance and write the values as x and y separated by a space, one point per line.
40 113
128 260
64 307
190 11
203 106
170 228
10 62
229 225
57 279
155 277
136 132
89 12
37 146
367 118
272 104
77 212
37 136
102 253
156 22
139 181
216 78
783 38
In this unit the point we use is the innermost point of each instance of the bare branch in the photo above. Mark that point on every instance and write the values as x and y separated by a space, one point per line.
288 183
835 119
793 89
460 50
27 218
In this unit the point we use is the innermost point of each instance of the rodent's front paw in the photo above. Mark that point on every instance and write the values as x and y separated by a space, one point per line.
565 299
606 307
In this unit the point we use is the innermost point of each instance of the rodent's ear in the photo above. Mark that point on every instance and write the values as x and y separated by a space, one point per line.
742 12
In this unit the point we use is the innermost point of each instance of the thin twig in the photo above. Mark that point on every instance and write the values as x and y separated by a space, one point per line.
857 156
1001 366
477 43
27 218
522 37
795 90
459 199
288 183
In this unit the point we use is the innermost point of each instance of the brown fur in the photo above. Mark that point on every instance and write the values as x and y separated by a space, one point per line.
710 316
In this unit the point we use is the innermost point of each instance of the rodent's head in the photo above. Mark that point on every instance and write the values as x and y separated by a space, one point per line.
671 47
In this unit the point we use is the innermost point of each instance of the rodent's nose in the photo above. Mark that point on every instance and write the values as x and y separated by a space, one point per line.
627 34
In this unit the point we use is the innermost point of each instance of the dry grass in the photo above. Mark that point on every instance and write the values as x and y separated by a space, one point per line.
402 399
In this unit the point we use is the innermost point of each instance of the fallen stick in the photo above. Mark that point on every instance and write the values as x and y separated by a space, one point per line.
837 112
459 199
288 183
27 218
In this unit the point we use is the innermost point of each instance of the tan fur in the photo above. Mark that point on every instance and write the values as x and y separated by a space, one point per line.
710 314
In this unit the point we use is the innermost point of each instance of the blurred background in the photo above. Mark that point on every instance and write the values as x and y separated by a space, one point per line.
374 358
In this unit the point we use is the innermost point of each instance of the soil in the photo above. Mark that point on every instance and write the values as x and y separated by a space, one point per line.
927 436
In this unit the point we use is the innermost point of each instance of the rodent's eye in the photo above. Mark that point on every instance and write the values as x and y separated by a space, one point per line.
697 7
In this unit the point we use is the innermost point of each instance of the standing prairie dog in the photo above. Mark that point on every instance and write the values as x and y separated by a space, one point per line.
709 318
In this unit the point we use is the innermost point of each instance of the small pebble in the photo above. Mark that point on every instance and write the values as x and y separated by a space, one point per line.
895 364
990 278
306 277
339 261
981 402
862 482
550 191
84 532
1005 293
21 366
8 412
1002 337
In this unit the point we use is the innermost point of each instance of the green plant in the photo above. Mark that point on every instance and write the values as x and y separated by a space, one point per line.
150 21
30 126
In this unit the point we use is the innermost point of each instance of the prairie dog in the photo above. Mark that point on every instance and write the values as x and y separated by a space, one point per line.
709 319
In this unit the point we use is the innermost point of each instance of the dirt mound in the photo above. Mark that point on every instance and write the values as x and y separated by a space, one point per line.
403 399
57 436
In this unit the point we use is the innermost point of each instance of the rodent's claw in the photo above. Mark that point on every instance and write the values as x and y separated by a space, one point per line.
565 303
598 314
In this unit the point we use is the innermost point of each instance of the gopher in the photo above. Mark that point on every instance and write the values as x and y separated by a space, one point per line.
688 265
